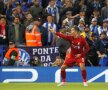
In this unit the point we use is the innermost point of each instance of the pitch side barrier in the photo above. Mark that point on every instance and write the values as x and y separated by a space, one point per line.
51 74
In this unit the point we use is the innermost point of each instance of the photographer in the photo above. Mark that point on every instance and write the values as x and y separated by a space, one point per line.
35 61
12 56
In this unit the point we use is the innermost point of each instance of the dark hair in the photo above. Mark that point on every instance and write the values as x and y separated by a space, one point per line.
16 17
48 14
52 0
76 28
103 33
2 17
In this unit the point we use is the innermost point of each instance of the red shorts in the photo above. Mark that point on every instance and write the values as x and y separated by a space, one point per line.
71 61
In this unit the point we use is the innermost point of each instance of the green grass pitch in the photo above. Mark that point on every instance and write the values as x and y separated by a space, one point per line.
52 86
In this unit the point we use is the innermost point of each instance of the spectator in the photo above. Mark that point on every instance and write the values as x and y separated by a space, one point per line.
104 11
62 44
102 43
104 27
17 32
53 10
82 5
20 13
94 26
68 6
95 4
92 54
69 21
50 24
102 46
28 20
81 25
12 56
82 15
58 61
14 14
87 33
36 9
96 14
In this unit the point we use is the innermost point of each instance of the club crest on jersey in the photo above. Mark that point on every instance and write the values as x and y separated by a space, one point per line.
78 43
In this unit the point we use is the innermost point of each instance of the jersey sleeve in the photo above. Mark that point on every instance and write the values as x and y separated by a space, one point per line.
63 36
86 47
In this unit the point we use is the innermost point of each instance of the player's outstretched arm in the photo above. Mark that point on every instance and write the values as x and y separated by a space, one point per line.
59 34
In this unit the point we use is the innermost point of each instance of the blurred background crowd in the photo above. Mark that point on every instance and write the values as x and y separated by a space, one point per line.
27 23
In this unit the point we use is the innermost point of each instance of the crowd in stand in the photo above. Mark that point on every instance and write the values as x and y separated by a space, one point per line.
27 23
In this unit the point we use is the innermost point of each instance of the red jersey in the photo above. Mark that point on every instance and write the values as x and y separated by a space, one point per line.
78 45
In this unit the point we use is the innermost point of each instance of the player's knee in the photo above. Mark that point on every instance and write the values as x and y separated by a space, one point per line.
63 68
82 66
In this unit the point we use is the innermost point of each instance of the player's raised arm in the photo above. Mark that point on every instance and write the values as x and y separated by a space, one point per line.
60 34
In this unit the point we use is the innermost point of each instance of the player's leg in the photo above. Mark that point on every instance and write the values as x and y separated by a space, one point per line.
84 74
63 75
81 63
63 72
67 63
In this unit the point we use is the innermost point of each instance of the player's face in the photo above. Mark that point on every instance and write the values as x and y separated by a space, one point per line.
3 21
73 32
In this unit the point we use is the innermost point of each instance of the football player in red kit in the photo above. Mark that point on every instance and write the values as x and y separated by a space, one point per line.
79 48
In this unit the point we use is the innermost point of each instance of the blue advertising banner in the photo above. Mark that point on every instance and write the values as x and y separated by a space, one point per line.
1 53
51 74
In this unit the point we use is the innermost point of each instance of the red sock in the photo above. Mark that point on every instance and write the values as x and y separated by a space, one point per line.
84 74
63 76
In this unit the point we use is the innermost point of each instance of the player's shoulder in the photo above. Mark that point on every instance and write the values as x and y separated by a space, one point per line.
82 37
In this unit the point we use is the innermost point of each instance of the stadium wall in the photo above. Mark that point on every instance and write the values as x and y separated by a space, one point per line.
51 74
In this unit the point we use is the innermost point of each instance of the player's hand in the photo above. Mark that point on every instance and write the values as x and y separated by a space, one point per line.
77 56
52 31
